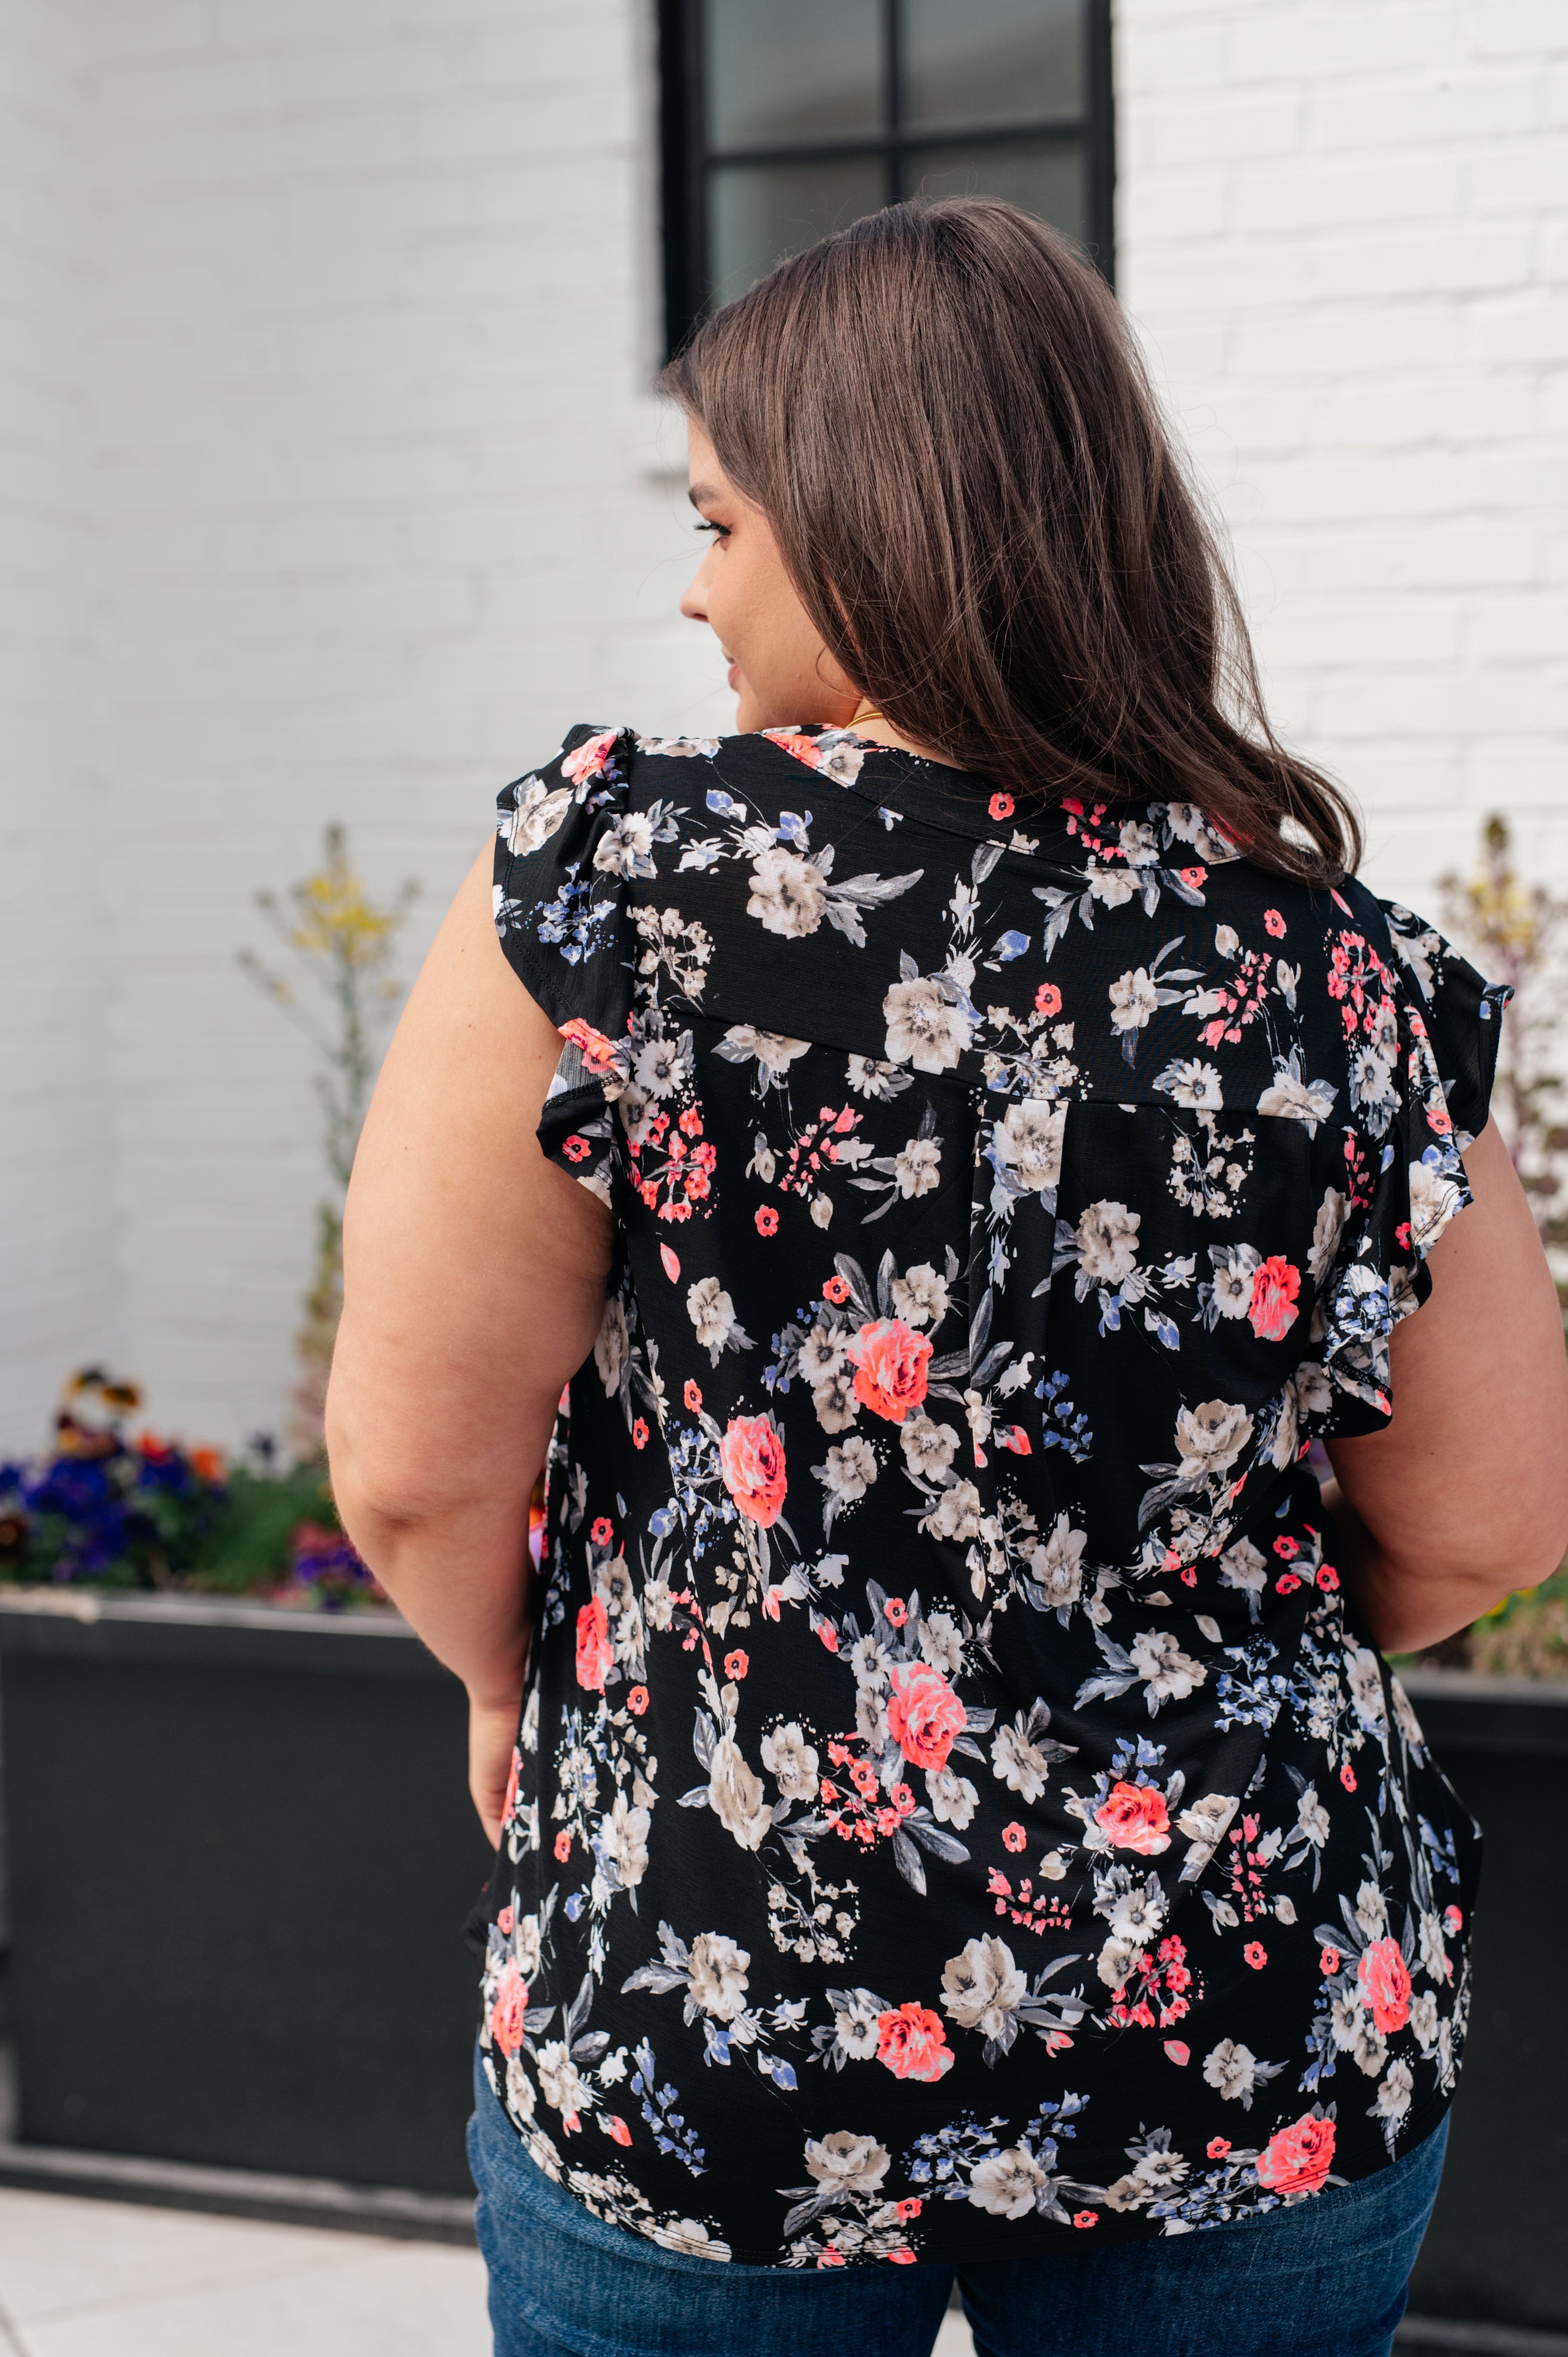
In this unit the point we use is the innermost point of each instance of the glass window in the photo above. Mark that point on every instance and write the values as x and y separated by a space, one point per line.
758 212
806 69
1049 180
993 61
785 119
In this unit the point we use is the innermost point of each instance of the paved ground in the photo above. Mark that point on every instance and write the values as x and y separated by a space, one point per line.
113 2279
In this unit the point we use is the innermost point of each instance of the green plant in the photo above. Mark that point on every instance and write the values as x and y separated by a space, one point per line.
250 1544
1518 933
342 1000
1527 1635
110 1510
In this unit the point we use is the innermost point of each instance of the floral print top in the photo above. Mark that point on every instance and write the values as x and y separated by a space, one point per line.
955 1808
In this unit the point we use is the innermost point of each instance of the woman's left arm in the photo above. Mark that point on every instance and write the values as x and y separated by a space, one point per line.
474 1284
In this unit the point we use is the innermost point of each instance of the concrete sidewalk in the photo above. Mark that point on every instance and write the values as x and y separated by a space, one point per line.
83 2278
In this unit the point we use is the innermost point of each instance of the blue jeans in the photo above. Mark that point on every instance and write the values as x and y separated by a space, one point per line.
1324 2278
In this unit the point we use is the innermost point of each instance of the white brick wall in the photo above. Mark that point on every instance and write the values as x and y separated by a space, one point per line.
1344 236
332 489
57 1297
374 321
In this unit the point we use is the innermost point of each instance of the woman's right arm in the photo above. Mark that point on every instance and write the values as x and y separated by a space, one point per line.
1464 1496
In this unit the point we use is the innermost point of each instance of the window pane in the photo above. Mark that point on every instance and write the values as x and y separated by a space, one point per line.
1049 179
804 70
993 61
757 213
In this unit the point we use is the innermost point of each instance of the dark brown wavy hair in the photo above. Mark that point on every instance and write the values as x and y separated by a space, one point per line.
946 420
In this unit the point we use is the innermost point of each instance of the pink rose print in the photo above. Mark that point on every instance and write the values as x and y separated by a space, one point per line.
597 1052
1297 2159
617 2127
589 761
1384 1983
890 1362
924 1715
594 1656
913 2043
751 1457
1135 1817
506 2013
1274 1289
509 1806
799 748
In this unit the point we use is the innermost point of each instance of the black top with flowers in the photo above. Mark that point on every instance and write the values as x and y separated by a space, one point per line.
955 1809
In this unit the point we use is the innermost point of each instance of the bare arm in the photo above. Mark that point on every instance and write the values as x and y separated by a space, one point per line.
473 1280
1465 1495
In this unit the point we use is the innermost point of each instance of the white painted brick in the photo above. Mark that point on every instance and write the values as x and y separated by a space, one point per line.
1169 62
1527 777
1532 327
1522 176
1435 109
1337 342
1517 29
1553 248
1415 455
1172 204
1396 778
1331 46
1351 191
57 1259
1446 704
1354 636
1204 131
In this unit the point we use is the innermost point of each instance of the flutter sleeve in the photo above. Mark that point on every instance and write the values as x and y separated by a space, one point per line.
1422 1055
564 852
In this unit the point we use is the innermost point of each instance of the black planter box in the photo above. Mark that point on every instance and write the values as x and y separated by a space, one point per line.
241 1853
1497 2251
241 1849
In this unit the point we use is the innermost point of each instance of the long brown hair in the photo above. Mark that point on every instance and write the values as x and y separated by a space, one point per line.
945 418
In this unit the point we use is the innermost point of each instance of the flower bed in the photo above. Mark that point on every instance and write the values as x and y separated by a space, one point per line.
109 1512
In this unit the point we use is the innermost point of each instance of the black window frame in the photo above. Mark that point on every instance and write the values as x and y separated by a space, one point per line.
686 158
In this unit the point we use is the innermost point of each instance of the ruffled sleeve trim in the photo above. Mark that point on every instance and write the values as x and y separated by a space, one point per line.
564 856
1421 1084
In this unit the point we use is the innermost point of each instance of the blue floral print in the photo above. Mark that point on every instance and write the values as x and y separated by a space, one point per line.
955 1807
